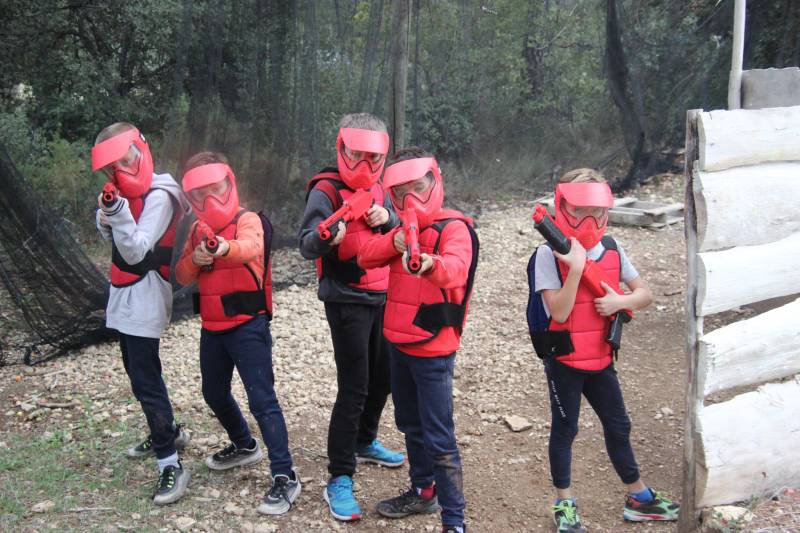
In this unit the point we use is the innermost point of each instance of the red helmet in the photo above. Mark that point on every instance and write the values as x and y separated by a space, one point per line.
212 192
364 172
411 187
130 160
589 203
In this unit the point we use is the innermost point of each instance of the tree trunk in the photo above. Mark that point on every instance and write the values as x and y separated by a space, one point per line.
309 98
370 48
183 39
397 103
415 109
618 82
379 103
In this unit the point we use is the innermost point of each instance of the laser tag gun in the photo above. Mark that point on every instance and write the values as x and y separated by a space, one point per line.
411 231
209 240
592 273
352 208
110 194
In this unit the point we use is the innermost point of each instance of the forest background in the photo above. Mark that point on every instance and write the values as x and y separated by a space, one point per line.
507 93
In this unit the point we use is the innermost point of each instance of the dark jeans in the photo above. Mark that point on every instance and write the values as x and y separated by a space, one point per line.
141 361
249 349
362 375
422 390
603 392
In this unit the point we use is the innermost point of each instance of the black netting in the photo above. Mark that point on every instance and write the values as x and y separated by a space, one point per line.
55 294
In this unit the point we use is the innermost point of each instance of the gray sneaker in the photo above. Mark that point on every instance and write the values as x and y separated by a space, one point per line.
171 484
408 503
280 497
232 456
145 448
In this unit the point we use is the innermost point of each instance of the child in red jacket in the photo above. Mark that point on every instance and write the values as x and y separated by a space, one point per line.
423 322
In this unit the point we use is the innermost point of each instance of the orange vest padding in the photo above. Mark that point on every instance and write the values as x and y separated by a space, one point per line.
158 259
417 310
231 294
344 267
587 328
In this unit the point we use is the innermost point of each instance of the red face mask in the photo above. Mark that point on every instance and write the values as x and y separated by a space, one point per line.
129 161
212 192
369 147
416 184
586 216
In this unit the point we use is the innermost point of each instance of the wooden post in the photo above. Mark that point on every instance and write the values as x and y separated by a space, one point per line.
737 56
397 103
694 329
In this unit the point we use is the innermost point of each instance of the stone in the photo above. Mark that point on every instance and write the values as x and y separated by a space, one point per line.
232 508
517 423
43 507
726 518
184 523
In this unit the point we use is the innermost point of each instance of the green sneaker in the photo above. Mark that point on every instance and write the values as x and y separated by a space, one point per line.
565 515
661 508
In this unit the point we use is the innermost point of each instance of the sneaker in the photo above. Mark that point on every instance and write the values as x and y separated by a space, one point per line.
454 529
281 495
342 503
661 508
565 515
171 484
145 448
380 455
408 503
232 456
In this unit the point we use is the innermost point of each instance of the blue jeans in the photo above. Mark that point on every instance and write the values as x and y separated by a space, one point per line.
249 349
141 362
603 392
422 390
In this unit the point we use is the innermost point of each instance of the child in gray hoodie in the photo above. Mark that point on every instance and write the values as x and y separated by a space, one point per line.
139 215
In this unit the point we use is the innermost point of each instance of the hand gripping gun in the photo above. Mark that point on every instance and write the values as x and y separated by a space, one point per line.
110 194
592 273
210 241
352 208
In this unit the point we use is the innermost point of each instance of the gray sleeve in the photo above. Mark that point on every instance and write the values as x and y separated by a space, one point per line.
318 208
105 231
132 239
628 271
545 271
394 220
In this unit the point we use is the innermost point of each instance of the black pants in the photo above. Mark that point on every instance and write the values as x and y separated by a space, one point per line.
603 392
362 375
141 361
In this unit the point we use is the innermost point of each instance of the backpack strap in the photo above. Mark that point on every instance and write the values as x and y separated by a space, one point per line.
329 183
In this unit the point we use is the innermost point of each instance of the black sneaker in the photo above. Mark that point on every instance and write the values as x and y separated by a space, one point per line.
145 448
565 515
171 484
232 456
408 503
280 497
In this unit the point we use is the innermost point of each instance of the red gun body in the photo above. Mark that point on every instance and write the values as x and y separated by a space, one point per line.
110 194
352 208
411 232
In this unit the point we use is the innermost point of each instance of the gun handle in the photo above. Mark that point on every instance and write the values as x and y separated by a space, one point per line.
614 337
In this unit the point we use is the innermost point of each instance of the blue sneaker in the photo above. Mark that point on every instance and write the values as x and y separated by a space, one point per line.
380 455
339 495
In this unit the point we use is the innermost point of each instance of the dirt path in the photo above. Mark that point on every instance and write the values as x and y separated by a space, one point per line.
73 457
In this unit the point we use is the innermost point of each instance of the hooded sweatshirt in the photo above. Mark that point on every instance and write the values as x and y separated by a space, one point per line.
144 308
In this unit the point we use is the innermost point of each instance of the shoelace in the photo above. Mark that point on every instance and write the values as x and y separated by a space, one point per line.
570 512
280 489
147 444
227 451
167 478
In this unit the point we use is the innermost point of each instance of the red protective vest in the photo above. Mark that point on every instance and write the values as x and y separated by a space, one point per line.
231 294
417 311
587 328
158 259
358 232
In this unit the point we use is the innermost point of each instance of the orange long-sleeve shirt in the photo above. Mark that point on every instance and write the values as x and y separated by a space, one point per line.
248 247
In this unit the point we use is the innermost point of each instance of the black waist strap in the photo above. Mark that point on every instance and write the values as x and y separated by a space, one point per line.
238 303
434 317
342 271
552 343
153 260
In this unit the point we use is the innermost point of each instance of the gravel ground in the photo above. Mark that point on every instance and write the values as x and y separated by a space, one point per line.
80 411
